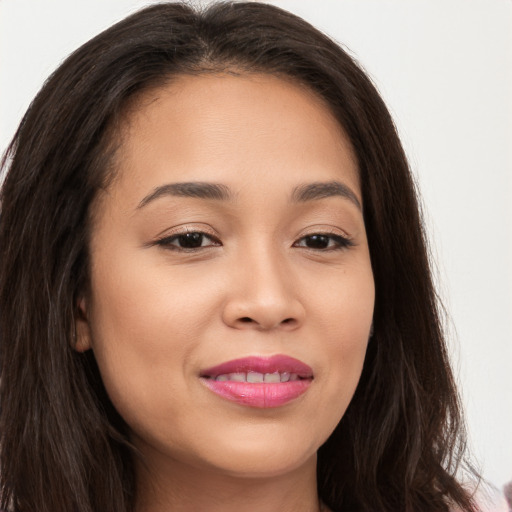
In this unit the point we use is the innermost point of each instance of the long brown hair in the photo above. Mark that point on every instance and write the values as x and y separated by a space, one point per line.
63 447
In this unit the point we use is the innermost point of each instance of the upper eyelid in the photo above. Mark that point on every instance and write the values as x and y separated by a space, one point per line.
326 232
210 232
172 236
183 229
212 235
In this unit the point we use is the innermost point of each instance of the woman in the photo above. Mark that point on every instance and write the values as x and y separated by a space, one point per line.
215 291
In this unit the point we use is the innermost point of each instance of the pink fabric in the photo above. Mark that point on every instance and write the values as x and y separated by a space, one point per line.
492 501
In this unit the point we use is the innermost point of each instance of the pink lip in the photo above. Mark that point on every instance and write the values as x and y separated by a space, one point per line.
278 363
264 394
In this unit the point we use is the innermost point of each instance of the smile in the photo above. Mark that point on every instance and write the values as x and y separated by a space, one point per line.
258 377
262 382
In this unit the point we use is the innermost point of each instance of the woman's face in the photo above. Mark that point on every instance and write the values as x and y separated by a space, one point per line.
232 235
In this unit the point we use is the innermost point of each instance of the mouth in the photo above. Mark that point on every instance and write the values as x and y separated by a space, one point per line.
261 382
254 377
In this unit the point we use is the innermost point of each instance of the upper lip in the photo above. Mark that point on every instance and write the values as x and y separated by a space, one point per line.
261 364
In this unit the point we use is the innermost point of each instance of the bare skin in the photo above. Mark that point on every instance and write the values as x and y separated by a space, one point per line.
264 263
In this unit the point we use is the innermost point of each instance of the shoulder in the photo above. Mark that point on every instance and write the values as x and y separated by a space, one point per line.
491 499
488 499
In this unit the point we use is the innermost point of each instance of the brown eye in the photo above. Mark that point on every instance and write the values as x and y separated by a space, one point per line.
317 241
323 241
189 241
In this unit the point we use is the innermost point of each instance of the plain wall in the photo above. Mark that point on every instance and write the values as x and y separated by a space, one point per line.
445 69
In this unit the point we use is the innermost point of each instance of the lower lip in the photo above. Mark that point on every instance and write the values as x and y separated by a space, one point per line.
262 395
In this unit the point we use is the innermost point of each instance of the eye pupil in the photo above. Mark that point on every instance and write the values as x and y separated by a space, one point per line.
317 241
190 240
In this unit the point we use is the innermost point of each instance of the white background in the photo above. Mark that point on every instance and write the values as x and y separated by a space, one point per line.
445 69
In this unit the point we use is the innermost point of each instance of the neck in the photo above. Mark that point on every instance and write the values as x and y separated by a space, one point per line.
166 486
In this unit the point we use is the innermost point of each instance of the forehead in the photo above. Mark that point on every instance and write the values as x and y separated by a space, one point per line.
239 130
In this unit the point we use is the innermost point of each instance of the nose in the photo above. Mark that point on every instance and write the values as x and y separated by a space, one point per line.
263 295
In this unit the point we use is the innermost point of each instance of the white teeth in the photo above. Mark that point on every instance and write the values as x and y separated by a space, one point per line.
237 377
254 377
272 377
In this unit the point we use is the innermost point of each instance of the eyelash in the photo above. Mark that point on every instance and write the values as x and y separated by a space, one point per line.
166 241
340 242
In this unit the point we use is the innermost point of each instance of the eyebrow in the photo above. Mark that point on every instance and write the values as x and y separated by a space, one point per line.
219 192
198 189
322 190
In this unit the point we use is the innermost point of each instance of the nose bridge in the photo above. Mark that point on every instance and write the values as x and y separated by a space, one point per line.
265 274
264 295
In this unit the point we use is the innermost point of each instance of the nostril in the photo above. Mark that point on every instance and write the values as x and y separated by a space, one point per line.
246 322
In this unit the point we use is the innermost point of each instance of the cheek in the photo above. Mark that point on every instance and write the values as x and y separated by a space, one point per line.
345 313
343 301
143 302
145 329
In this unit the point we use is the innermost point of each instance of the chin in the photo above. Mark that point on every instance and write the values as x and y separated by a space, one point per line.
262 454
262 465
